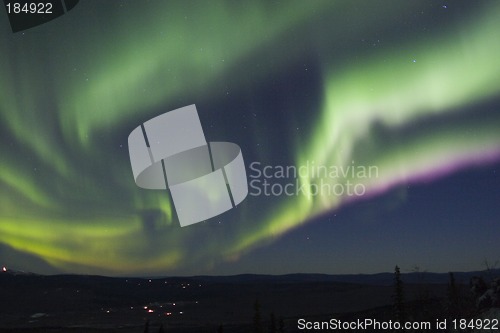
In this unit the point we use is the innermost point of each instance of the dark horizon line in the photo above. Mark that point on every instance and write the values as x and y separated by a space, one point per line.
207 276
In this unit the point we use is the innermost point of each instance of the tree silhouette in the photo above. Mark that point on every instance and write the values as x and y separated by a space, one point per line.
453 298
272 324
146 327
161 330
399 311
281 325
220 329
257 324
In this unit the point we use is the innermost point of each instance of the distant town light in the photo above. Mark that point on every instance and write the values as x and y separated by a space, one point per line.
4 269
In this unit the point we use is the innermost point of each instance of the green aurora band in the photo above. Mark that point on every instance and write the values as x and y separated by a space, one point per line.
71 87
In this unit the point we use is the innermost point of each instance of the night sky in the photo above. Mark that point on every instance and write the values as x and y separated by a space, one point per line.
408 88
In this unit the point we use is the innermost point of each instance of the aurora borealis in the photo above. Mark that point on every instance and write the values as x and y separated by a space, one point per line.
411 87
